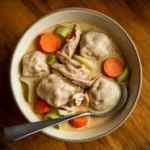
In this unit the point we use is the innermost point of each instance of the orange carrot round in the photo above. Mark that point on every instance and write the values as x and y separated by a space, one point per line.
113 67
49 43
41 106
79 122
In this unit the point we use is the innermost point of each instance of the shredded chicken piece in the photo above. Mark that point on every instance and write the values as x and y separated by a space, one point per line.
82 72
80 99
82 82
71 45
76 100
86 100
73 66
66 110
63 58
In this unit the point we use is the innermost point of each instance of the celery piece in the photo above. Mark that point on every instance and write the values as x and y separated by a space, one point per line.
61 125
51 59
88 63
62 31
124 75
53 114
31 87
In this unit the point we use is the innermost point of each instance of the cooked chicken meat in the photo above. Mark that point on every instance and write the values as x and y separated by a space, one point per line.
73 77
55 91
34 64
80 99
104 94
94 45
66 110
71 45
76 100
86 100
73 66
63 58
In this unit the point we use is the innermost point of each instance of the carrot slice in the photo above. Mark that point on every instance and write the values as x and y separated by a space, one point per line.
49 43
70 36
41 107
79 122
113 67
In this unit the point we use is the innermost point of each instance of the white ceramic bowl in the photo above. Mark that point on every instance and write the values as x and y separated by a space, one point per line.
118 33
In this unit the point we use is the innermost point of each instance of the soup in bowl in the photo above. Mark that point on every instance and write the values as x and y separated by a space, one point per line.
73 66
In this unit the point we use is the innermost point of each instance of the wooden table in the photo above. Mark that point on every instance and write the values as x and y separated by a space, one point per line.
133 15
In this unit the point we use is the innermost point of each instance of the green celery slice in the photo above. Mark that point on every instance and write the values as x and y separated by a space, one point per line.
89 64
53 114
61 125
62 31
51 59
124 75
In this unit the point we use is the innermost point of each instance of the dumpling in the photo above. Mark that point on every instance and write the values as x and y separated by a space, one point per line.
34 64
94 45
104 94
55 90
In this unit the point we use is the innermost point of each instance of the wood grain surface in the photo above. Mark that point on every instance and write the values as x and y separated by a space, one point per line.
133 15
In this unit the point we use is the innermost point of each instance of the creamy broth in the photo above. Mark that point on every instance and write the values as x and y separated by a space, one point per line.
94 121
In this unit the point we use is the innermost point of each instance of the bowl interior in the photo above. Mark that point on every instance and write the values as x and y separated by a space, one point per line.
126 45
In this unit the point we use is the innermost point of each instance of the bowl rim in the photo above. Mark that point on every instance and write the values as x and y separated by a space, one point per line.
128 37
